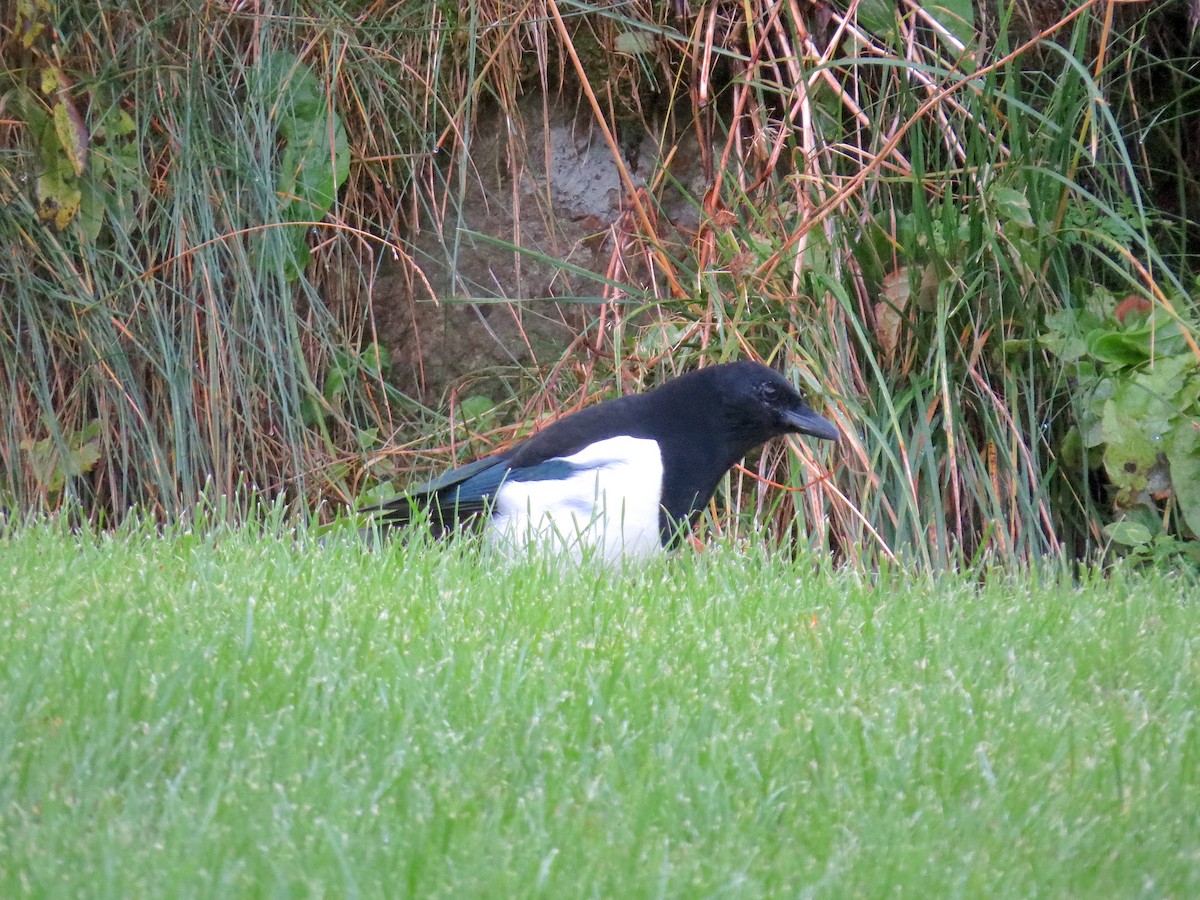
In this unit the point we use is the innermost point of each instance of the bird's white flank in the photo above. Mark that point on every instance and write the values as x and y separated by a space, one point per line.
609 507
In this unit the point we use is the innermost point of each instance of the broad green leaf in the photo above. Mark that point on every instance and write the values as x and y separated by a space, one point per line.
58 199
312 171
121 125
47 464
878 17
72 134
658 339
1127 533
1129 453
42 460
91 208
1093 433
1184 456
84 458
956 16
1071 449
119 133
1012 205
335 383
366 438
316 156
114 179
475 406
1140 403
1064 334
1167 377
1115 348
1157 337
375 358
1188 397
636 43
311 410
89 432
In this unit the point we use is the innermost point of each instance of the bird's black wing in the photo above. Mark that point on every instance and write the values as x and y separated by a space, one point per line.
467 492
451 498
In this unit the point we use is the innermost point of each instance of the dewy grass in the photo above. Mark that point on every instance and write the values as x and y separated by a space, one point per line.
247 711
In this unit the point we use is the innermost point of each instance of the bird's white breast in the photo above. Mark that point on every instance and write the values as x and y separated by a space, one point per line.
609 507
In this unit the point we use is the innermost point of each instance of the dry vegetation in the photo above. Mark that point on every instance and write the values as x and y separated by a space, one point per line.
920 222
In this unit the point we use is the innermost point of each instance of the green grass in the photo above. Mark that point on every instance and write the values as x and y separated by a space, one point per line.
247 712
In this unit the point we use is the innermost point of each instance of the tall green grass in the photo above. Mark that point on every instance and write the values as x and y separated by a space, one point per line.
245 711
162 343
894 217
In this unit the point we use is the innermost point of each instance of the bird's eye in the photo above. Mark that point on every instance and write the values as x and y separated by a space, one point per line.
770 392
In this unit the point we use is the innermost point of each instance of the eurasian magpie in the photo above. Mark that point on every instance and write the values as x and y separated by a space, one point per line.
623 477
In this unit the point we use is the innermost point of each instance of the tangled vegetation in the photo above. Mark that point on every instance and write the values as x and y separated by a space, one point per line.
972 238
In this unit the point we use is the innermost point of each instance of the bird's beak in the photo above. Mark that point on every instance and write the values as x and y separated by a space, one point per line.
805 421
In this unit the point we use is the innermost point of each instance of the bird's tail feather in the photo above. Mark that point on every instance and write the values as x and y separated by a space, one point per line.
440 513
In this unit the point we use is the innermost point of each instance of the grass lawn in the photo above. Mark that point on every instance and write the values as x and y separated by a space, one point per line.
248 713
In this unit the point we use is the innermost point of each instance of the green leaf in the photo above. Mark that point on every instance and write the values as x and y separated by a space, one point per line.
367 438
121 125
335 384
1065 330
29 12
1167 376
1115 348
1129 453
1149 409
47 464
475 406
375 358
316 156
1090 420
72 134
84 458
1127 533
58 198
1012 205
1184 456
1157 338
312 171
89 432
91 209
311 411
956 16
878 17
1071 449
51 80
636 43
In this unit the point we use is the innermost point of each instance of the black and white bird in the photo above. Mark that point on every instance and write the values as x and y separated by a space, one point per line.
622 478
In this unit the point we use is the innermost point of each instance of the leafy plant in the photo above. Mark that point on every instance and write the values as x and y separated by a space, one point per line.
54 461
90 161
159 177
315 158
1136 386
886 202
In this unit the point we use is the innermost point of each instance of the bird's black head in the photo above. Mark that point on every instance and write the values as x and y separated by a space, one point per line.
760 404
